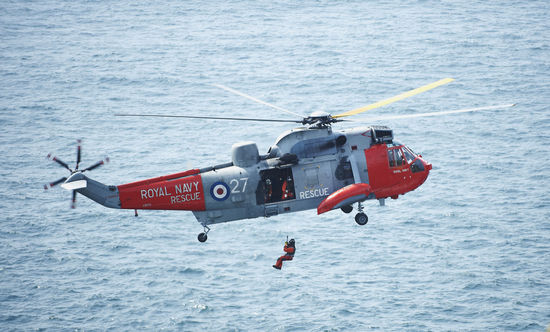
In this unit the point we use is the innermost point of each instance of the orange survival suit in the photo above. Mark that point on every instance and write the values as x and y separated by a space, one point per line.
290 249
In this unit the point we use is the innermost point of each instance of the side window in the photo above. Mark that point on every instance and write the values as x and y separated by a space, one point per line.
399 159
391 158
312 177
396 157
417 166
408 155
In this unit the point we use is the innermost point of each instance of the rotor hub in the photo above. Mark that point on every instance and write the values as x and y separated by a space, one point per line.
320 119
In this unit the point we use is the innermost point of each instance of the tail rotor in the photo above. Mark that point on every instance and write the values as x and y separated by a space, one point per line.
73 201
78 153
76 170
55 183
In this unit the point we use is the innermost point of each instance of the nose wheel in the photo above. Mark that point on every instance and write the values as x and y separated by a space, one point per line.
203 236
361 218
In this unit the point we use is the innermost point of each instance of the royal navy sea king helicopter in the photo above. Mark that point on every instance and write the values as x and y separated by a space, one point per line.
312 166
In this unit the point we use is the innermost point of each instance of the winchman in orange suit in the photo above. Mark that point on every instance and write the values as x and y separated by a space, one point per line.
287 189
290 249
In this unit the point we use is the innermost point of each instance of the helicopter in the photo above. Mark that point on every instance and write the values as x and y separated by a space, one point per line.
314 166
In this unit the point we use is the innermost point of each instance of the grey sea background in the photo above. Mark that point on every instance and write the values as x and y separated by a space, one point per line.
467 251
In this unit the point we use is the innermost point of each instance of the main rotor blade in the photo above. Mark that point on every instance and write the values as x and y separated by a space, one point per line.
418 115
207 117
395 98
255 99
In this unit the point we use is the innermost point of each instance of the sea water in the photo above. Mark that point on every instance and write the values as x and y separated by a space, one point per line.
469 250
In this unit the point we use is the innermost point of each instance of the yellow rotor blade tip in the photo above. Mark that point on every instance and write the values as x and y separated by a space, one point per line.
395 98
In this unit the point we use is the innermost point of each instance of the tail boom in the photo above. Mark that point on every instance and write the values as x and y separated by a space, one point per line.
179 191
96 191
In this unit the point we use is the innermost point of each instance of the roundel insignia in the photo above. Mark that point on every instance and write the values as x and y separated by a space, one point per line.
219 191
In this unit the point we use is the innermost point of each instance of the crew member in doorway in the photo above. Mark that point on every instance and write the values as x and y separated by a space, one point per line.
290 249
287 189
268 190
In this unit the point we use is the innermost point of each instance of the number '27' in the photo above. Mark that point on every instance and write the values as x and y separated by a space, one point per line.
239 185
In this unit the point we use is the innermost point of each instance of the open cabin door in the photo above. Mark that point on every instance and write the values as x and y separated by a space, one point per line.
276 185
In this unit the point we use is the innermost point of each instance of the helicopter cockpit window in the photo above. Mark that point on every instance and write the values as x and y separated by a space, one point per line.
394 144
396 158
391 158
410 150
399 159
410 157
417 166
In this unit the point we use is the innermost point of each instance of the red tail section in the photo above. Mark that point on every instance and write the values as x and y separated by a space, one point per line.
180 191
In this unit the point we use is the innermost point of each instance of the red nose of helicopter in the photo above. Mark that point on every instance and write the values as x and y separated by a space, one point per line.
423 168
427 165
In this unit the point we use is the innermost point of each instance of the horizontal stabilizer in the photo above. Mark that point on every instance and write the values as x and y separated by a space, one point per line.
79 184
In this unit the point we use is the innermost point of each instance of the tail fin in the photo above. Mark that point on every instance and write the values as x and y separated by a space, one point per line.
94 190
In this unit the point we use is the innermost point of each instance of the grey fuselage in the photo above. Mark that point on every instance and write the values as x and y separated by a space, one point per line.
301 169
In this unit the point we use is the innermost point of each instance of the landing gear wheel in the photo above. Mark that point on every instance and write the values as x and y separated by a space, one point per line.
202 237
346 208
361 219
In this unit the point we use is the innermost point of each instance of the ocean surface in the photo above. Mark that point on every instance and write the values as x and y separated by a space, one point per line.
467 251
